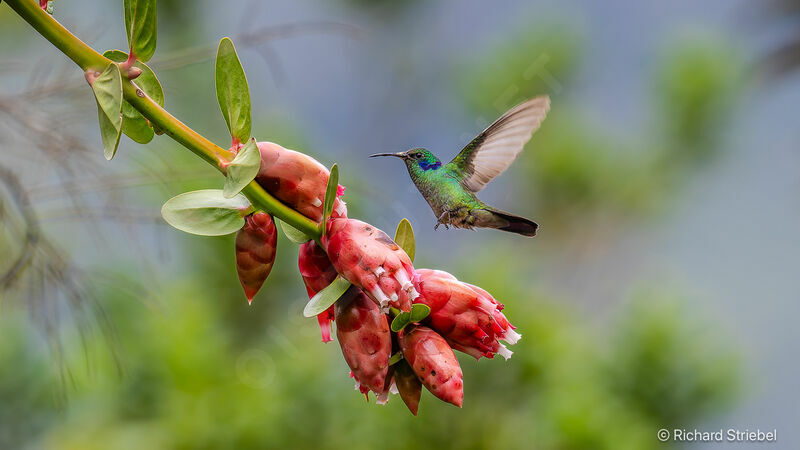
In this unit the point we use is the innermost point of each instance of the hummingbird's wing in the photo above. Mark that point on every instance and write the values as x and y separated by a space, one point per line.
493 151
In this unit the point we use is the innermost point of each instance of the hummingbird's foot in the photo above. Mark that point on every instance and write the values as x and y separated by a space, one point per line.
442 221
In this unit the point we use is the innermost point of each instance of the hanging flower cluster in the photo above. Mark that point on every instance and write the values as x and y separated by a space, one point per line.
397 326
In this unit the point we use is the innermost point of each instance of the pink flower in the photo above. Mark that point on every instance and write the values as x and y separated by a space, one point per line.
297 180
317 272
433 362
371 260
255 252
466 315
363 333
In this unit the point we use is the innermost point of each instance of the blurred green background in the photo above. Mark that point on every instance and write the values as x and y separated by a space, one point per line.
660 292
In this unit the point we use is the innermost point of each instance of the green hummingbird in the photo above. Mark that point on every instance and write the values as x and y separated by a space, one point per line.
450 188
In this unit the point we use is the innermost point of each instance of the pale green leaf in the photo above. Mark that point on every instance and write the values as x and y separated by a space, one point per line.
107 90
404 237
293 234
419 312
206 212
330 196
134 125
233 94
400 321
326 297
140 24
243 169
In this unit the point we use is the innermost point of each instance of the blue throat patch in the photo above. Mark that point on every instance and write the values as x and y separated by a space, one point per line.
425 165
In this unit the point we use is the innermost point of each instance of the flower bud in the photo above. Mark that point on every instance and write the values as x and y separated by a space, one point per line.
317 272
255 252
297 180
467 316
408 385
371 260
434 362
363 333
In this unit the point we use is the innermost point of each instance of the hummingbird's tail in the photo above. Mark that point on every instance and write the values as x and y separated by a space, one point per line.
502 220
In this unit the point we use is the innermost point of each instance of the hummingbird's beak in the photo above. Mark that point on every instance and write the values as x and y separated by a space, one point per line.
399 155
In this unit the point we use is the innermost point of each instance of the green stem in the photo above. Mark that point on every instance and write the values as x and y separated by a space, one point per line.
88 59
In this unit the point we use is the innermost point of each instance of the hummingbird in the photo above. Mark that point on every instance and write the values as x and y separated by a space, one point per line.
450 188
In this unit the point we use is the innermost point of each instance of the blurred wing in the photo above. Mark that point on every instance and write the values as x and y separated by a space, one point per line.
492 151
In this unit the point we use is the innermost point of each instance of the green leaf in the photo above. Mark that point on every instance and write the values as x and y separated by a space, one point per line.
107 90
206 212
326 297
232 91
140 23
400 321
134 125
293 234
404 237
419 312
395 358
242 170
330 196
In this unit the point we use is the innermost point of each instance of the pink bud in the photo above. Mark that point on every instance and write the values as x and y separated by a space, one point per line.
317 272
363 333
371 260
297 180
133 73
466 315
434 362
255 252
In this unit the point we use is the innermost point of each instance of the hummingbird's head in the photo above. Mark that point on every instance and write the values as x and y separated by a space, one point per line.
416 158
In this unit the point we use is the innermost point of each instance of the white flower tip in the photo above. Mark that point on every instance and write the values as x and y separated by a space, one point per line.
358 386
382 398
379 271
402 278
393 297
511 337
378 295
504 352
413 294
393 389
316 202
341 209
